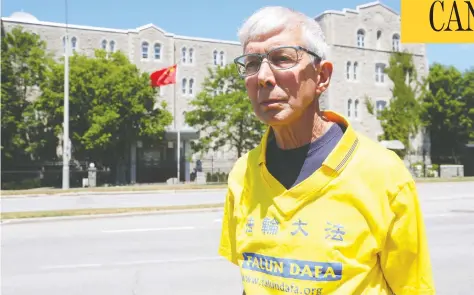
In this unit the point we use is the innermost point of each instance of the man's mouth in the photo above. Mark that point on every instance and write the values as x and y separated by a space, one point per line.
270 102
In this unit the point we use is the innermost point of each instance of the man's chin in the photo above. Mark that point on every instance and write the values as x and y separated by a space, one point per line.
276 118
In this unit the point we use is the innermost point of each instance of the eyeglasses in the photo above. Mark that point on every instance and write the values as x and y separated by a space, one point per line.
280 58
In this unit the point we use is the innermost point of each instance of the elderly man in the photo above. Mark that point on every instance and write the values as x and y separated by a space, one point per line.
316 208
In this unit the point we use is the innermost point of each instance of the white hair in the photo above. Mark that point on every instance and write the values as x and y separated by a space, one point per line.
275 18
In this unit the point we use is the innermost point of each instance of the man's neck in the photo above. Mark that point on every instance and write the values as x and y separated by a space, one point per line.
306 129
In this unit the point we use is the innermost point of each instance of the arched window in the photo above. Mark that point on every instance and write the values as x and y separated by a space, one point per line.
157 49
183 54
145 49
348 70
222 58
112 46
379 39
191 55
349 108
361 38
215 57
191 85
74 43
396 42
183 85
356 108
355 70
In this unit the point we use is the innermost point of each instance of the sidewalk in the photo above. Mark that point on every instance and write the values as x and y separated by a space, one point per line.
113 190
110 202
155 188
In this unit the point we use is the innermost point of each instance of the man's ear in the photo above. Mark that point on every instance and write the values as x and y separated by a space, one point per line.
325 75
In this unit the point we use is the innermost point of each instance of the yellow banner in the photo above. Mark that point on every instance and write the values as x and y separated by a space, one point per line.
437 21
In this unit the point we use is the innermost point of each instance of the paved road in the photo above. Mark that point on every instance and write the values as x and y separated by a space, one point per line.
176 254
456 190
118 200
154 254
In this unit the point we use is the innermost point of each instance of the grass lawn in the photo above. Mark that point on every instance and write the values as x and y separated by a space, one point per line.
101 211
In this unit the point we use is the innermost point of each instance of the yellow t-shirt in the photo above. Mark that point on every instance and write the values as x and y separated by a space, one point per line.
353 227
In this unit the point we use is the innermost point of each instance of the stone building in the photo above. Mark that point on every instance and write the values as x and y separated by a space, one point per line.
360 42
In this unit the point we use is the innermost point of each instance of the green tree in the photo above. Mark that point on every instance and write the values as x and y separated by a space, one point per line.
369 104
447 114
223 113
111 105
26 139
401 119
467 94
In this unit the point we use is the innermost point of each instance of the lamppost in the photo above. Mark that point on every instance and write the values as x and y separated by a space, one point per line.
176 122
66 146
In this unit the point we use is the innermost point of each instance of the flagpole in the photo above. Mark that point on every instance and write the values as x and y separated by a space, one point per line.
66 147
176 123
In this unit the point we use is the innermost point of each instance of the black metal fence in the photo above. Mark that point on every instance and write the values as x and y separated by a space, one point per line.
50 176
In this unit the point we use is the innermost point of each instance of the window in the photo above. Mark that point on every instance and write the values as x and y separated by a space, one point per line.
104 44
215 57
183 85
112 46
222 58
191 85
360 38
379 36
379 73
145 49
349 108
356 108
355 70
348 70
191 55
396 42
157 51
183 55
380 106
74 43
187 86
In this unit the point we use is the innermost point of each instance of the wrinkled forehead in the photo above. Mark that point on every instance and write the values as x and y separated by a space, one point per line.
267 41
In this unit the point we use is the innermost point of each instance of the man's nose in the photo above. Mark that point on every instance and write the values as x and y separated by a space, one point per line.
266 78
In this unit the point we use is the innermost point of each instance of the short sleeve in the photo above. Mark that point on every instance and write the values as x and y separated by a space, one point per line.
405 259
227 246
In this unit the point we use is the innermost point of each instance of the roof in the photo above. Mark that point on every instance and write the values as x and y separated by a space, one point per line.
357 10
21 15
27 18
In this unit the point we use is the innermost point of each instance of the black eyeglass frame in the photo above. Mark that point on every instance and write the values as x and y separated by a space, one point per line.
262 56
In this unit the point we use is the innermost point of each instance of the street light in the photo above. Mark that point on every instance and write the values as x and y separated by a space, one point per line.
176 122
66 147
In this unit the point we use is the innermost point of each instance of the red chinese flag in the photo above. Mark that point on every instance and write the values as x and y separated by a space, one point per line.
163 76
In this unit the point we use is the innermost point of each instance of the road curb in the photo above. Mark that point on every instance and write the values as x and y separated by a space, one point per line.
111 215
78 194
186 190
